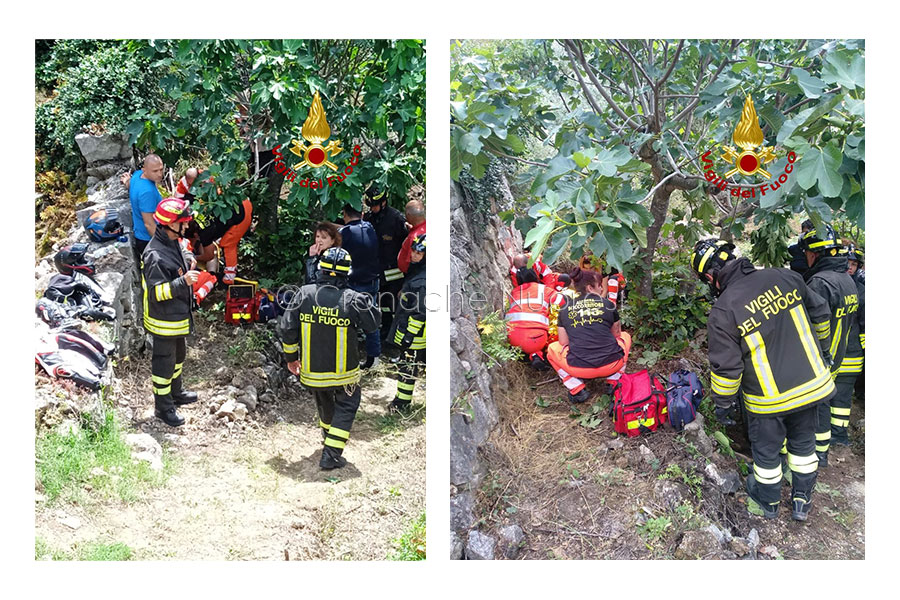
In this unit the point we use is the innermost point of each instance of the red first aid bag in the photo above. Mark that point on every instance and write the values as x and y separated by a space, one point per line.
241 303
639 403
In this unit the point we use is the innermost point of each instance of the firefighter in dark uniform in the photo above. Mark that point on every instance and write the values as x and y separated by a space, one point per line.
827 276
319 332
856 260
406 338
852 365
762 345
168 297
390 225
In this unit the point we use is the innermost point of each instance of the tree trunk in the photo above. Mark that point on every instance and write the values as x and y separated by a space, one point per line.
659 208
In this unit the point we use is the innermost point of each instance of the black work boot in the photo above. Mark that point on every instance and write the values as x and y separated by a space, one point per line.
331 459
538 364
399 406
582 396
800 506
165 410
180 396
756 507
823 458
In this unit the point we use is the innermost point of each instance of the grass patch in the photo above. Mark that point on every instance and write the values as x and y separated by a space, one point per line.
92 551
94 458
411 545
691 478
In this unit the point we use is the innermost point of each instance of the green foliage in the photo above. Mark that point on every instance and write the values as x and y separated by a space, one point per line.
690 478
98 91
479 194
677 309
91 551
655 529
54 212
97 455
593 416
724 443
494 341
595 125
770 241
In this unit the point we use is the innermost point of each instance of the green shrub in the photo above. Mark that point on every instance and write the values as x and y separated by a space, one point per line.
99 94
411 545
677 309
494 341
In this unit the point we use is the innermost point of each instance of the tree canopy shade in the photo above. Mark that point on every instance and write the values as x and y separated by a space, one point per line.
607 130
373 93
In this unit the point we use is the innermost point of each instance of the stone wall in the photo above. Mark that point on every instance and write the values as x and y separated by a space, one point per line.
479 280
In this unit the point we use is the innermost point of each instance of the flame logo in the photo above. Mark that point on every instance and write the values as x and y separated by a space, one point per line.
747 135
316 130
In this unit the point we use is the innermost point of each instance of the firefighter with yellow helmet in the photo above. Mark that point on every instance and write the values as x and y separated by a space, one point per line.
763 348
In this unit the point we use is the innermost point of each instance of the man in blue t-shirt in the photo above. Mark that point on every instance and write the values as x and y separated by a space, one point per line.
144 198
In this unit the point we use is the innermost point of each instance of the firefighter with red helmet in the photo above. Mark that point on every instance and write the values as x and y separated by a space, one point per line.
528 317
763 350
167 281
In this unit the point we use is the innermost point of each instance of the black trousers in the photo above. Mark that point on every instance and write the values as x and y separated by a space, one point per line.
840 407
767 436
337 409
388 298
166 366
409 366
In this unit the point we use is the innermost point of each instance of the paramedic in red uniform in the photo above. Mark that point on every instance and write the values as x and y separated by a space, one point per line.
528 317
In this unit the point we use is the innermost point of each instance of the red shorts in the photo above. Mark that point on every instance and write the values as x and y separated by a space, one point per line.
557 354
530 339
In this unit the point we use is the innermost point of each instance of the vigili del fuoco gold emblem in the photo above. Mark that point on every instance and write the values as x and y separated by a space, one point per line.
315 130
748 136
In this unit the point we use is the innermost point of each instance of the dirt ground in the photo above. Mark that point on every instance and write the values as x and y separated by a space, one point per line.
579 492
253 490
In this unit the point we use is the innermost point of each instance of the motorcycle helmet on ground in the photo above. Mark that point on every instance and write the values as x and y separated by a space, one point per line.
103 225
71 260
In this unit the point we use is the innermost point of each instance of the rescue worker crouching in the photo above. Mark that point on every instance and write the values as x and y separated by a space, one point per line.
319 338
406 338
167 283
827 276
528 317
591 341
762 346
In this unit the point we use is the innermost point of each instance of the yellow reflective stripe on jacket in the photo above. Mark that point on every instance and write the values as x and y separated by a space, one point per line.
340 349
761 365
393 274
414 325
823 330
723 385
160 327
862 340
305 336
806 339
809 392
836 339
290 348
851 365
329 379
163 291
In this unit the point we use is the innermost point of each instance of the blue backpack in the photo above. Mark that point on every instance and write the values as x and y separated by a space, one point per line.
683 396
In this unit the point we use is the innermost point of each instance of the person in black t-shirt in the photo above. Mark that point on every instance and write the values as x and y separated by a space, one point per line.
591 341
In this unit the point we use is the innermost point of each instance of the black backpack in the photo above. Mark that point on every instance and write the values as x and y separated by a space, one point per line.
683 396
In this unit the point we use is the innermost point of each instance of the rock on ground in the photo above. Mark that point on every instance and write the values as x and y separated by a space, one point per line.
698 545
456 546
145 447
511 538
480 546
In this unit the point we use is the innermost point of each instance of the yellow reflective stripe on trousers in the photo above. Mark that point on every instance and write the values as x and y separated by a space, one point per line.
724 385
761 364
809 344
796 397
160 380
803 464
323 424
339 433
767 476
823 441
334 443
